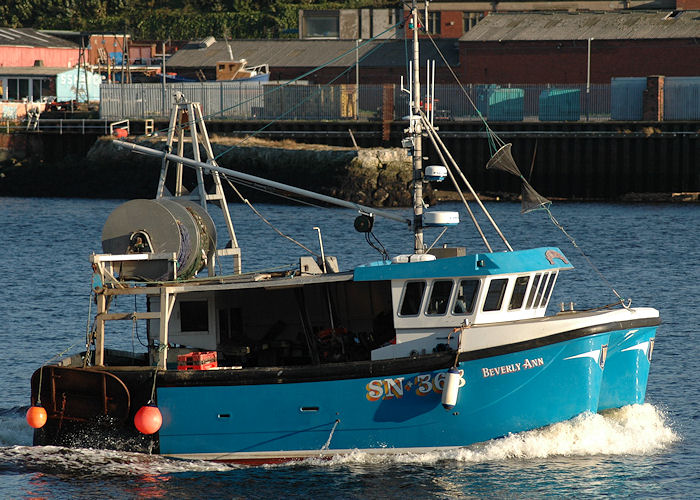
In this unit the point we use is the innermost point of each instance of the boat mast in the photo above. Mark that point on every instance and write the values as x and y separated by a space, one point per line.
416 132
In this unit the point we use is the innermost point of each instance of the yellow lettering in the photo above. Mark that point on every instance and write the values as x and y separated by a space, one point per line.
374 390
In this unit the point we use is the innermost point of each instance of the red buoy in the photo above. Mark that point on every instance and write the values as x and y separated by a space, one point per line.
36 416
148 419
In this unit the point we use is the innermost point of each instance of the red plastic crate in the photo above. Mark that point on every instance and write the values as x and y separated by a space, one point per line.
197 361
206 366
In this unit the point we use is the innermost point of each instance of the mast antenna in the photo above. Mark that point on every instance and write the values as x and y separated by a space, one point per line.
416 133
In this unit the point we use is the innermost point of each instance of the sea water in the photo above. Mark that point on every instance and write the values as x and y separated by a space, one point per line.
649 253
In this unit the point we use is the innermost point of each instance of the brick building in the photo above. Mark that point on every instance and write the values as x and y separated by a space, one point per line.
553 47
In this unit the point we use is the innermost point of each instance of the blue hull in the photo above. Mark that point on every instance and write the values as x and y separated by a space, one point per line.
501 394
627 368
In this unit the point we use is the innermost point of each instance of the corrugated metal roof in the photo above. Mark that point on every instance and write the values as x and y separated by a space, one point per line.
28 37
621 25
31 71
308 53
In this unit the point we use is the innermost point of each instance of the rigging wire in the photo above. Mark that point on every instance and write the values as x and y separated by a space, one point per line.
459 190
308 98
590 262
433 134
381 249
272 191
495 143
250 205
308 73
136 328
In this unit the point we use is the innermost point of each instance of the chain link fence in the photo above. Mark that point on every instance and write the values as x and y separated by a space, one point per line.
621 100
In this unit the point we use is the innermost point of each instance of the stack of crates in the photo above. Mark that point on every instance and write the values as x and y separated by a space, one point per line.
197 361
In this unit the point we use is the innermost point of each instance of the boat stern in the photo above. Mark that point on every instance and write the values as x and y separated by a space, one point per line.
628 362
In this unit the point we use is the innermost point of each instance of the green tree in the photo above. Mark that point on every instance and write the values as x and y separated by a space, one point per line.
174 19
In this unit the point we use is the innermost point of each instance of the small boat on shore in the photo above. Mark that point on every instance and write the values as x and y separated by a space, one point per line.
428 350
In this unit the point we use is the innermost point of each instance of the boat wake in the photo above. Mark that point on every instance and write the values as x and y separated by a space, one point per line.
632 430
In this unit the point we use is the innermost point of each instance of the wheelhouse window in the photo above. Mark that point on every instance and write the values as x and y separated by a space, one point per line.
540 292
533 290
412 298
494 297
439 297
466 297
548 289
518 297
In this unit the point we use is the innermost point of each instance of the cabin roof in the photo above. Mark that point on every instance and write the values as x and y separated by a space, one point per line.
309 53
484 264
620 25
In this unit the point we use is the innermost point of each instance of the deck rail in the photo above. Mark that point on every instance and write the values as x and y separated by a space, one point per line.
60 125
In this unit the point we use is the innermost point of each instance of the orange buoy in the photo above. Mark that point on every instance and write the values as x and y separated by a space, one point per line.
36 416
148 419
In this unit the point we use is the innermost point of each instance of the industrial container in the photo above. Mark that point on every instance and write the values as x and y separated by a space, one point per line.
627 96
501 104
560 105
682 98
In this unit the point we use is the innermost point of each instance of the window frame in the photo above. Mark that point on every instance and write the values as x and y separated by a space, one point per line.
523 295
447 300
534 285
403 298
434 22
325 16
546 276
549 288
471 306
501 296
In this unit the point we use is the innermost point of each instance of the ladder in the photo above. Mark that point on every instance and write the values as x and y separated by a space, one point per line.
187 117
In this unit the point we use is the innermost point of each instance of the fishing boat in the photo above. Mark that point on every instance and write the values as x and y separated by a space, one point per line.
429 350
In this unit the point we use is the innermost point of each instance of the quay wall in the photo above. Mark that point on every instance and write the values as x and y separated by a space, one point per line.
580 161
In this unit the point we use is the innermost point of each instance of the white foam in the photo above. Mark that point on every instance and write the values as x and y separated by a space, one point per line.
632 430
101 462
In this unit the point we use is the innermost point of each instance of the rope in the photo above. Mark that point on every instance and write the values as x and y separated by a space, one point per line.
153 389
41 369
382 250
38 393
133 333
590 263
89 330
